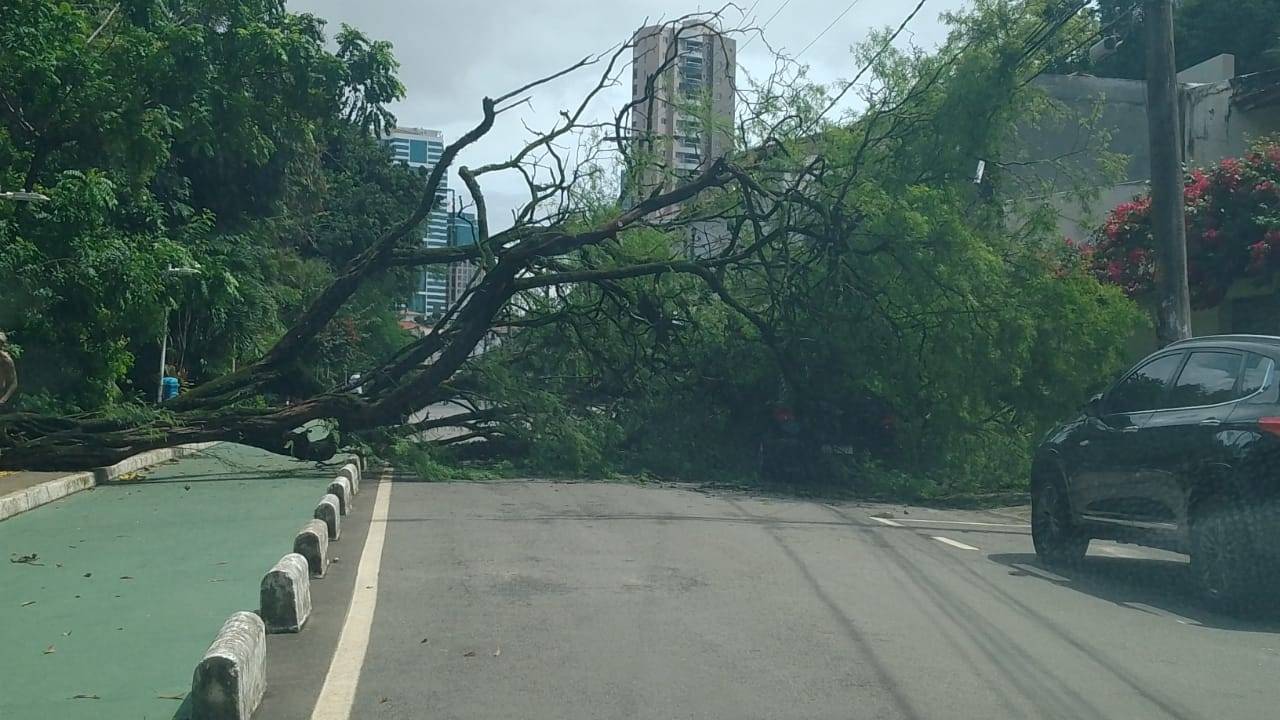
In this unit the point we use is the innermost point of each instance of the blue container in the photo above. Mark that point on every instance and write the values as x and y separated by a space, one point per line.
168 388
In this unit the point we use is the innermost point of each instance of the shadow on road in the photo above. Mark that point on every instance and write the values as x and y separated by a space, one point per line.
1145 585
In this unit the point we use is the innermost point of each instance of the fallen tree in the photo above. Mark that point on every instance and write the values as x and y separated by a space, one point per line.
794 192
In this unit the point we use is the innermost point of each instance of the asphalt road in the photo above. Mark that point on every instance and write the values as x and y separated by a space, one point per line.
540 600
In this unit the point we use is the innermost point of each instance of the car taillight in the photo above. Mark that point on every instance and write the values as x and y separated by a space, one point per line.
1269 425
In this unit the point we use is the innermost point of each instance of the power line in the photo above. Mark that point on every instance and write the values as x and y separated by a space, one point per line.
765 26
828 27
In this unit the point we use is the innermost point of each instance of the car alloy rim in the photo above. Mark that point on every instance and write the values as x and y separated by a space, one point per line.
1049 512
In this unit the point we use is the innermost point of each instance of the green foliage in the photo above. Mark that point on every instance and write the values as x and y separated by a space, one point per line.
906 292
422 462
218 135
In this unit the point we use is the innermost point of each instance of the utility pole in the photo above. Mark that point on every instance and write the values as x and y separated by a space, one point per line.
1168 222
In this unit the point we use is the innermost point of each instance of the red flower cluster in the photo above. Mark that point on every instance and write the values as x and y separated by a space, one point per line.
1230 235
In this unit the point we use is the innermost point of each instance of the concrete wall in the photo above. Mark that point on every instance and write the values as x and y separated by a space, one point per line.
1091 116
1214 128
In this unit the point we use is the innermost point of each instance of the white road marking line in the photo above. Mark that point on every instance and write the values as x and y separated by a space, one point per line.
952 543
960 522
339 690
884 521
1032 569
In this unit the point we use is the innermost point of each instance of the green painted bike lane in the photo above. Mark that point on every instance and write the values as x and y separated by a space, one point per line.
132 581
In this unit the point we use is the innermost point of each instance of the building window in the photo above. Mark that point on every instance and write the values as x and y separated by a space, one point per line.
417 151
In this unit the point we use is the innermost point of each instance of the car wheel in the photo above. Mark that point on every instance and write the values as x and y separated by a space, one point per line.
1057 540
1222 563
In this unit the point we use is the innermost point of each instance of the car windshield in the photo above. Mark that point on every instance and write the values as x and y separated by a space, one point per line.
647 359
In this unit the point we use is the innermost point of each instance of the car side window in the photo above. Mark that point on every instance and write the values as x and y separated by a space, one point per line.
1144 388
1208 378
1260 374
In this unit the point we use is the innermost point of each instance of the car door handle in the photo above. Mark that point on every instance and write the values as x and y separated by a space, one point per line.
1084 443
1211 422
1129 429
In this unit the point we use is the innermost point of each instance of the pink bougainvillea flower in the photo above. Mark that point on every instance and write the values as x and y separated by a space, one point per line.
1115 271
1258 253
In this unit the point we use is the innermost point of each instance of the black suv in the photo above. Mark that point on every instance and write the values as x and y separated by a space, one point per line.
1182 453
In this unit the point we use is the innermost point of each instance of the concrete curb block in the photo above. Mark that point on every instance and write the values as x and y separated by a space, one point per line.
229 681
312 543
284 598
112 473
33 497
329 513
340 488
44 493
351 472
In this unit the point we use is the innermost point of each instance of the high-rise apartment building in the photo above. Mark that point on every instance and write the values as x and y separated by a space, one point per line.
462 233
690 117
421 148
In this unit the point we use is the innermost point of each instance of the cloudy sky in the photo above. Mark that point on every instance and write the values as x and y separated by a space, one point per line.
452 53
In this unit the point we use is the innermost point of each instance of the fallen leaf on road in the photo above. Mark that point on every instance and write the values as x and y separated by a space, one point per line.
25 559
469 653
126 577
66 634
221 562
497 652
216 580
175 696
29 602
882 515
58 564
186 487
334 559
50 650
85 696
382 700
88 574
424 640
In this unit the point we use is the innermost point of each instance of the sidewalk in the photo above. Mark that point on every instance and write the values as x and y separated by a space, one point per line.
132 581
13 481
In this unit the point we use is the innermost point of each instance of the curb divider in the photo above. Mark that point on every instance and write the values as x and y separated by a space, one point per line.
340 488
33 497
329 511
312 543
284 598
231 678
351 471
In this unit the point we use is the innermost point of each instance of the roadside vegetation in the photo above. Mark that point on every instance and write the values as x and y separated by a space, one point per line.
867 315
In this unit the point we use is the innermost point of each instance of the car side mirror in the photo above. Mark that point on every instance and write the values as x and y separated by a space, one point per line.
1094 407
